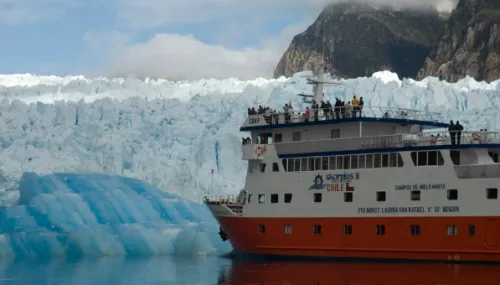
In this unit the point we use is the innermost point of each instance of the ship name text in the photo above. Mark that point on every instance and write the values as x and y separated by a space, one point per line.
390 210
409 187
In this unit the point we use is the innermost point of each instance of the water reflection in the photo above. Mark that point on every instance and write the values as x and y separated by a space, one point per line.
319 273
213 270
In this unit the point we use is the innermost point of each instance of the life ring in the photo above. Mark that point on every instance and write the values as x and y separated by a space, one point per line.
260 150
476 137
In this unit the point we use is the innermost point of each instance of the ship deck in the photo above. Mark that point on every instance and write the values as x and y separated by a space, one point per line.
340 115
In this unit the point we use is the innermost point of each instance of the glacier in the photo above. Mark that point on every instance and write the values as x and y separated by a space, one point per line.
98 166
92 215
173 134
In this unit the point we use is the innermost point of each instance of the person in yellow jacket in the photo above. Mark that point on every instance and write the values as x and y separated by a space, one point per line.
355 106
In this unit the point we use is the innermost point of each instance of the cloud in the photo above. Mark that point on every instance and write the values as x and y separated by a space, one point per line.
183 57
16 12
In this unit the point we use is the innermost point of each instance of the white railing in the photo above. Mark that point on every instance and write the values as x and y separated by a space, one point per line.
386 141
344 112
224 200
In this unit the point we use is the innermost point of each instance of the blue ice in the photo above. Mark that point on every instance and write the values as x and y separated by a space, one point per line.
81 215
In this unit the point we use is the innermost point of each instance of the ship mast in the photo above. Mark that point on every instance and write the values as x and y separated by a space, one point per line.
319 82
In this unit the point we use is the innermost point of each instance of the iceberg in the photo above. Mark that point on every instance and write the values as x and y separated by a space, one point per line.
91 215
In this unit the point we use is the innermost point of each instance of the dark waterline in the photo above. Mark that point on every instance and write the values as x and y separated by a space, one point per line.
214 270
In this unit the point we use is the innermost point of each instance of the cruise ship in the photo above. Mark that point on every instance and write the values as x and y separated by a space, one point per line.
378 183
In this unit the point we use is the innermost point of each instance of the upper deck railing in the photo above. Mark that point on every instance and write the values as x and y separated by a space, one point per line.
386 142
338 113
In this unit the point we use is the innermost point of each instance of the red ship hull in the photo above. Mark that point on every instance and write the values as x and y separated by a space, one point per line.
397 243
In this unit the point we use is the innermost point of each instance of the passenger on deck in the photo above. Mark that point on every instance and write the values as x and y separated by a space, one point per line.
459 128
355 104
329 110
315 109
386 115
261 110
307 114
348 110
253 112
287 116
361 104
276 117
267 115
452 131
324 108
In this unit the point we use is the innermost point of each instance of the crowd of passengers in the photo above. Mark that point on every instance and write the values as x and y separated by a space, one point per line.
341 110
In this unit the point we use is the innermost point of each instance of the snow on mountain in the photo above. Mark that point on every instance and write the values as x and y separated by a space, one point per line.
172 134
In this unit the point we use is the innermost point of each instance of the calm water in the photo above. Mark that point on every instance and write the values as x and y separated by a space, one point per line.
211 270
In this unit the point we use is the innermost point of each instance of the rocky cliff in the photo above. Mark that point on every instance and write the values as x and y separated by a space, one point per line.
358 40
470 46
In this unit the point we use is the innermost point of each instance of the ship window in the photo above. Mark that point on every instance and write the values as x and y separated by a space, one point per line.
347 162
316 229
440 158
290 164
385 160
311 164
393 160
494 156
472 230
415 230
274 198
369 161
400 160
421 158
283 162
262 198
339 162
348 197
332 163
288 229
376 160
250 196
381 196
335 133
317 163
278 138
451 230
262 167
288 198
324 161
354 162
361 161
303 164
415 195
297 165
276 167
347 230
492 193
296 136
380 230
261 229
414 157
452 194
317 198
432 158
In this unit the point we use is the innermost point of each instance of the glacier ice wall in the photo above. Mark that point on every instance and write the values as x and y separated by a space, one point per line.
172 134
82 215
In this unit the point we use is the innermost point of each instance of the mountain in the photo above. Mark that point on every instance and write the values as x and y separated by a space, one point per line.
470 46
358 40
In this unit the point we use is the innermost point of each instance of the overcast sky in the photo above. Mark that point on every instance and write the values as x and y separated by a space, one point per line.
188 39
